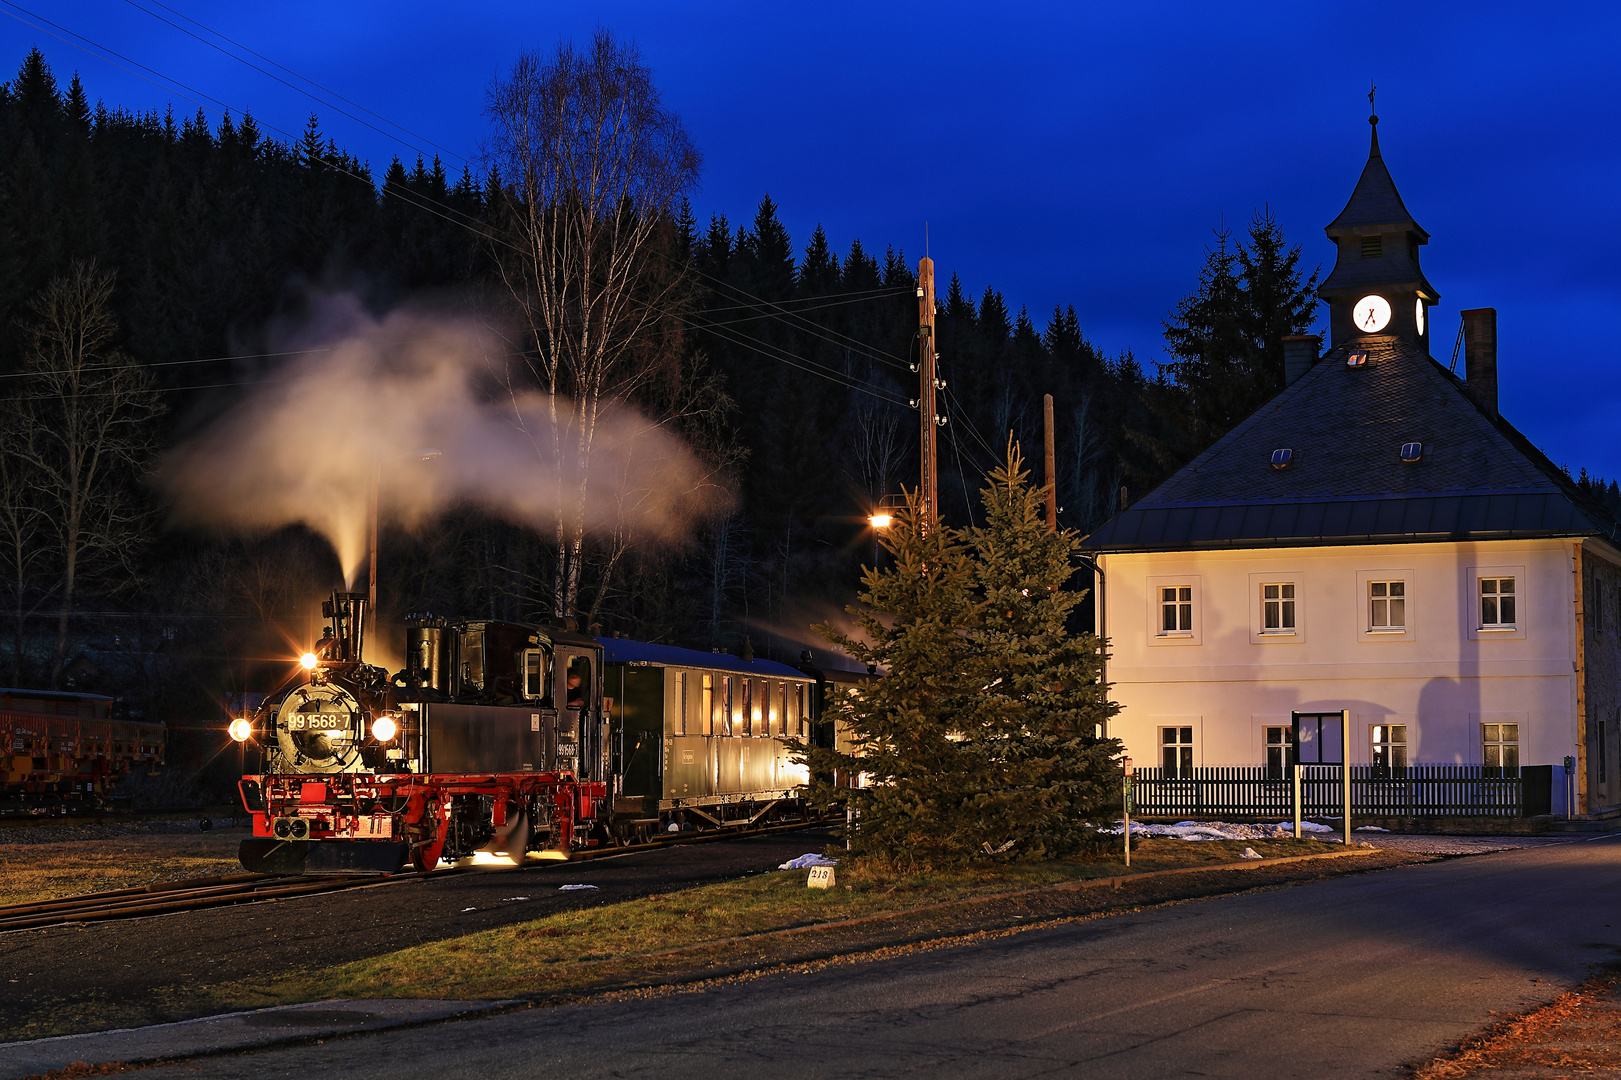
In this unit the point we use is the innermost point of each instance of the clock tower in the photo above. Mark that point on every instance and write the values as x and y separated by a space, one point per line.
1377 287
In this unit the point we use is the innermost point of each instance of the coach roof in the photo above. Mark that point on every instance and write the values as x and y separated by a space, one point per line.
645 653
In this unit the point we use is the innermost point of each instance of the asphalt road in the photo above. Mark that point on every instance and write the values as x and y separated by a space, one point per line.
1353 976
129 961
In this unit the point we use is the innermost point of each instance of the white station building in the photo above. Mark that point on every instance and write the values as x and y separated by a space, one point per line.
1378 540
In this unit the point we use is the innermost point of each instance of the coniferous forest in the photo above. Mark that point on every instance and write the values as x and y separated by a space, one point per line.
786 367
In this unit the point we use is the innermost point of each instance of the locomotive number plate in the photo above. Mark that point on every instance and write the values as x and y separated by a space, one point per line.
313 723
567 749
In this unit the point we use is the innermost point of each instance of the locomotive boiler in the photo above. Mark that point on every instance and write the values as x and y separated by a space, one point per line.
490 742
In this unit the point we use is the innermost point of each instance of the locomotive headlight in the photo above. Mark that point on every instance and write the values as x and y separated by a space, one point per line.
308 660
383 729
241 730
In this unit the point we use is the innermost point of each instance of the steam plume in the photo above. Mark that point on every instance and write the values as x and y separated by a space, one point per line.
307 448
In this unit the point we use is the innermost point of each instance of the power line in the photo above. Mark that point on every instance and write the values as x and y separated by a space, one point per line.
296 75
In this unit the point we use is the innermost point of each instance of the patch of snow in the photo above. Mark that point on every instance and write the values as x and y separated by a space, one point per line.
510 899
574 888
465 910
1218 830
808 860
1369 828
1249 853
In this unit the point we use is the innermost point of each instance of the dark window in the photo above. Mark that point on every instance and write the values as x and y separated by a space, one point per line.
1280 751
1176 752
1176 610
1373 247
1497 603
1389 749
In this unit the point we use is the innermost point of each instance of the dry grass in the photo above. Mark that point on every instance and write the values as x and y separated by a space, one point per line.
54 861
1576 1034
694 931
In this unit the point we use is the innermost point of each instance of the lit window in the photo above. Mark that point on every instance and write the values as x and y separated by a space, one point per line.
1280 751
1389 749
706 707
1176 609
1497 603
681 696
1278 608
1500 749
1176 752
1387 606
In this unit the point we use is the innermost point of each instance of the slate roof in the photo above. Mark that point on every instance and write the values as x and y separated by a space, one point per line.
1374 201
1478 477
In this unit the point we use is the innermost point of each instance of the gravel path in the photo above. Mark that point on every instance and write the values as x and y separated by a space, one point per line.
1428 844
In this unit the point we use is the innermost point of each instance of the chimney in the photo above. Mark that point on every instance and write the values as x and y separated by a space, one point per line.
1299 354
1480 356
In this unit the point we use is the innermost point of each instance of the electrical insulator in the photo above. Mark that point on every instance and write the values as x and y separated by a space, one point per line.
939 384
920 292
940 420
913 403
914 367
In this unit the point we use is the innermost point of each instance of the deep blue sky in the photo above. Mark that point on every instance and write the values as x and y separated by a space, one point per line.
1075 153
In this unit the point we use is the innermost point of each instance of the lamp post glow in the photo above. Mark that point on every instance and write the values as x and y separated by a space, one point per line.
880 521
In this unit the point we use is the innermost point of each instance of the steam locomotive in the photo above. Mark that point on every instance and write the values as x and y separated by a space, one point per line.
503 741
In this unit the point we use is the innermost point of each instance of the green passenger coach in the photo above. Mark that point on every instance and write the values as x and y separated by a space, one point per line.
698 737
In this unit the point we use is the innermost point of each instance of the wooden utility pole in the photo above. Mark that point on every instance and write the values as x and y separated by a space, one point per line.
1052 478
929 485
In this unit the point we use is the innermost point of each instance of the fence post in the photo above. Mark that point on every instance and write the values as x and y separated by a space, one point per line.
1125 803
1296 797
1345 769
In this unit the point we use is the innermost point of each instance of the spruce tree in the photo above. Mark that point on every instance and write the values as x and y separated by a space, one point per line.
1040 714
923 781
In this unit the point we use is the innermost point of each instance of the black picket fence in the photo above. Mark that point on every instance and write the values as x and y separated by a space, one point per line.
1376 791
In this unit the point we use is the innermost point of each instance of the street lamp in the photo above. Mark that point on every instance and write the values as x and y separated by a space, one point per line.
426 453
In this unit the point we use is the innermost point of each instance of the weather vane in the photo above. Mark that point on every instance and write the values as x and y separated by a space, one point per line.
1372 90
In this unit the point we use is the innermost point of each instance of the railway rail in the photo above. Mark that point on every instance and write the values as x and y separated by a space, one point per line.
171 897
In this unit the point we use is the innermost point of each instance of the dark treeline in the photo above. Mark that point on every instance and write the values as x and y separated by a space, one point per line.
214 236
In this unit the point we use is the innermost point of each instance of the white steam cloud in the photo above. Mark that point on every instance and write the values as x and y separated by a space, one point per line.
307 448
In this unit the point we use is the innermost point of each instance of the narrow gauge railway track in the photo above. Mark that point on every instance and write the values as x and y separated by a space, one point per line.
165 898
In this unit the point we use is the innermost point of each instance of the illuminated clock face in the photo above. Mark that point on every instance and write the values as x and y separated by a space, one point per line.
1371 314
1418 315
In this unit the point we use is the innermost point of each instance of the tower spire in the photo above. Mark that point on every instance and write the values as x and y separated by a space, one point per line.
1373 119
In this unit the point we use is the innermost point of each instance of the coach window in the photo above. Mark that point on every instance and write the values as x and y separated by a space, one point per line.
781 725
681 702
726 705
762 708
706 707
746 712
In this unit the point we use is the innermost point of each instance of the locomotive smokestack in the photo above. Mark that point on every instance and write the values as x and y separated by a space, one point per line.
347 610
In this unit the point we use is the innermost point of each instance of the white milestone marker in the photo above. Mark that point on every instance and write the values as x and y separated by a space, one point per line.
821 877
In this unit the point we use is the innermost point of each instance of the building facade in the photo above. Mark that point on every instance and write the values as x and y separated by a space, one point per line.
1375 540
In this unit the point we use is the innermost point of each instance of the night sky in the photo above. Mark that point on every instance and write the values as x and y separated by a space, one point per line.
1063 153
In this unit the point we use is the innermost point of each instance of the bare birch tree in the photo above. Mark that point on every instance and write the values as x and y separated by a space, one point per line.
23 530
591 168
88 409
